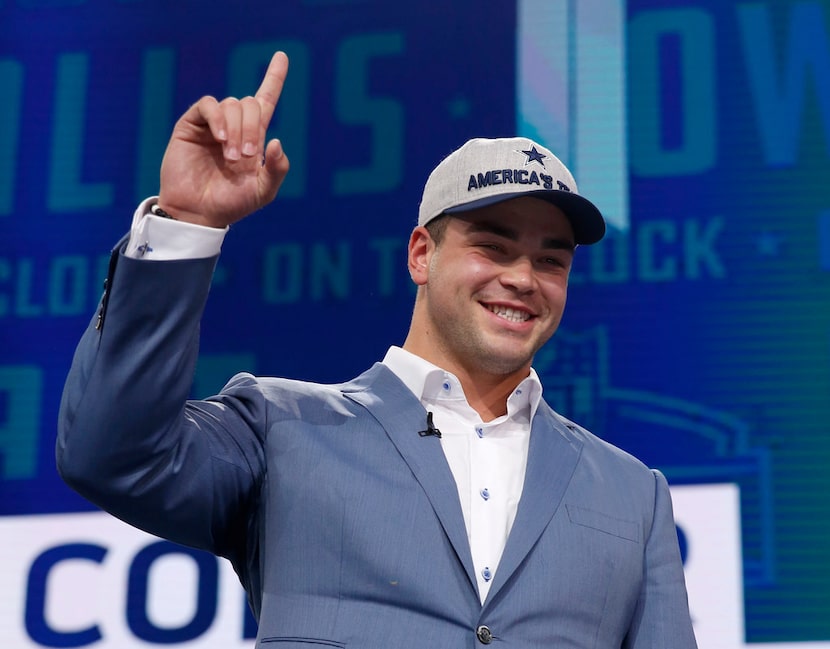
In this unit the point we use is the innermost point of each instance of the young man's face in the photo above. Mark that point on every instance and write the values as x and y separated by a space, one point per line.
494 288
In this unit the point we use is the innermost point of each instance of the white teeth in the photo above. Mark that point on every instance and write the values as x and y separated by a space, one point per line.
508 313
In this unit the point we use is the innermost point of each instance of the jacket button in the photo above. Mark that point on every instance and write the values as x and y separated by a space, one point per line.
484 635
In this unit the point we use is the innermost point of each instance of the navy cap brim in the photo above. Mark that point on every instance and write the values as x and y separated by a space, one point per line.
586 220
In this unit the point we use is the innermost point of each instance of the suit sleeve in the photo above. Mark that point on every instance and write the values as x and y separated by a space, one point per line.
661 619
128 438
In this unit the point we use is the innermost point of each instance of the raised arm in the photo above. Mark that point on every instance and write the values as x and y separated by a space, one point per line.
128 439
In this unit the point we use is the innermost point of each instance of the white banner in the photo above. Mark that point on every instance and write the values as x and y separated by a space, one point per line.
67 581
89 580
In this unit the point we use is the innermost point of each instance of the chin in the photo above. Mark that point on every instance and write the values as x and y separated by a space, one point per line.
499 363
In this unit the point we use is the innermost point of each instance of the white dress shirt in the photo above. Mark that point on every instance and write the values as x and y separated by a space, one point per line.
487 460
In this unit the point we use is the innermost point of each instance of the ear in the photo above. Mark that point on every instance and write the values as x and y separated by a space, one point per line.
420 250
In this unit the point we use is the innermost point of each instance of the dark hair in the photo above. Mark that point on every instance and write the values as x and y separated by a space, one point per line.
437 226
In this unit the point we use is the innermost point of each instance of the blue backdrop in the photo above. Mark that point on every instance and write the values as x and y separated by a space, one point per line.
697 334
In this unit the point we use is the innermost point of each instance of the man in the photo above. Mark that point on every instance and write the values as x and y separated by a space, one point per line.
435 500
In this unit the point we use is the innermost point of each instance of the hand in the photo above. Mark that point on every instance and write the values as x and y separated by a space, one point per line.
217 168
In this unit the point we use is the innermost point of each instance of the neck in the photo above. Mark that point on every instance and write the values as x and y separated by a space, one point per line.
486 393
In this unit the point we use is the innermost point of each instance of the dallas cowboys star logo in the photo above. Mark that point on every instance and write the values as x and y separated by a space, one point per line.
534 156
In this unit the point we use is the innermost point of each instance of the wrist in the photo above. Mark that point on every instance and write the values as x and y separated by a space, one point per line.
161 209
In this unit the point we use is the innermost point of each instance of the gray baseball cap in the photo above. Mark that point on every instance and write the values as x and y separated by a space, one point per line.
487 171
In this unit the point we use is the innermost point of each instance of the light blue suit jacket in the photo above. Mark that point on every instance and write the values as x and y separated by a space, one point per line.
344 524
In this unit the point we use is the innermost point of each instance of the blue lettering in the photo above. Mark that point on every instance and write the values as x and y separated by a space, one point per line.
608 262
21 387
5 276
11 80
779 97
249 623
36 592
137 619
385 117
155 118
67 192
647 236
824 240
683 542
282 273
330 272
67 285
693 150
25 305
699 252
387 252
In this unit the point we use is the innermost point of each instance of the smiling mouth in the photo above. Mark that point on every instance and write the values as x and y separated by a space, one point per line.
508 313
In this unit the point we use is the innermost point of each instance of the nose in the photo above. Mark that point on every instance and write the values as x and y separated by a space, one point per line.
519 275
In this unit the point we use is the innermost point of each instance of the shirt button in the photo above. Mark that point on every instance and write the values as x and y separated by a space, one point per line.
485 493
479 431
519 391
446 386
484 635
486 574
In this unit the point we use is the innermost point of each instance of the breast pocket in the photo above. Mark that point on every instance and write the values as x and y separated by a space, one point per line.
601 522
299 643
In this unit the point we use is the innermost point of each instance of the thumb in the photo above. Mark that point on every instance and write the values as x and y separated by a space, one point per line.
274 169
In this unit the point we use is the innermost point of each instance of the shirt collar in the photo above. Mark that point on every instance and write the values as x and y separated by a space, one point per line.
429 382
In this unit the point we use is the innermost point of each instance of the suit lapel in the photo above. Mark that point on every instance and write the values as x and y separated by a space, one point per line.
552 457
401 415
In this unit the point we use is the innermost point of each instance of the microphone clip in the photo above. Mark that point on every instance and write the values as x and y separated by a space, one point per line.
431 429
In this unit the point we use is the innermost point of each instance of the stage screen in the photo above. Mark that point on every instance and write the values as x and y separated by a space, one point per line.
697 333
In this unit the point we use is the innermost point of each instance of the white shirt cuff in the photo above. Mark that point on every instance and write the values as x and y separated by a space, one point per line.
160 239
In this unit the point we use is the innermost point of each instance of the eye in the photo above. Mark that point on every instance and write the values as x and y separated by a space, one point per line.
491 246
556 261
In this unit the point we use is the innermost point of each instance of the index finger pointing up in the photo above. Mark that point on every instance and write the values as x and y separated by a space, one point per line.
271 87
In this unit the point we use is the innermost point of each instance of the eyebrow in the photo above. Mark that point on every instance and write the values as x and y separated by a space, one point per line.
500 230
